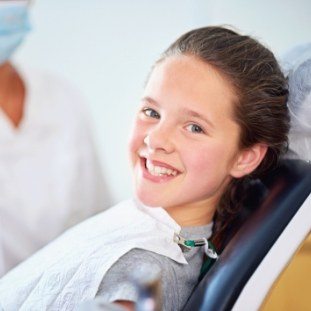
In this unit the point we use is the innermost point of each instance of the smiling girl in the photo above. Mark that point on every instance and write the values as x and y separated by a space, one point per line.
213 114
185 143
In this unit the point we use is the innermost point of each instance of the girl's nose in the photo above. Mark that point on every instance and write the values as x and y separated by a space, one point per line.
159 139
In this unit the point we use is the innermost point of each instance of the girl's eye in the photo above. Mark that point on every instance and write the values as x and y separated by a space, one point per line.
149 112
194 128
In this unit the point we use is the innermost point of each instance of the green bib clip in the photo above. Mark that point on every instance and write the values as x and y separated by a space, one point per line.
209 249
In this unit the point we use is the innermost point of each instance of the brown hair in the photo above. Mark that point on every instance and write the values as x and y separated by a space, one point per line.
261 109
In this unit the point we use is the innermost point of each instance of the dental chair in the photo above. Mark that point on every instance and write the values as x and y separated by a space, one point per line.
277 218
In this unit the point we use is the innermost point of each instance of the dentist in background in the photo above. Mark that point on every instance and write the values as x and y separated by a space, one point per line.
50 177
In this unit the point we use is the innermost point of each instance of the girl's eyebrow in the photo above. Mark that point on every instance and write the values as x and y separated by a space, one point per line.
150 100
184 111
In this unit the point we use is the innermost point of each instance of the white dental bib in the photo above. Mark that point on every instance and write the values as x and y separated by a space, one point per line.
69 270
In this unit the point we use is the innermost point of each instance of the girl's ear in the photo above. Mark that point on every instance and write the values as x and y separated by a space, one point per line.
248 159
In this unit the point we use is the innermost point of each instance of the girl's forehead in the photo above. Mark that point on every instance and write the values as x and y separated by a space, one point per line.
189 80
190 69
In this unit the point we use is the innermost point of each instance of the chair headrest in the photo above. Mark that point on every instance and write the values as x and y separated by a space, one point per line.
285 190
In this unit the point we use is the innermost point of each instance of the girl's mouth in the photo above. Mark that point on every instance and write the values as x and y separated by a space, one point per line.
157 171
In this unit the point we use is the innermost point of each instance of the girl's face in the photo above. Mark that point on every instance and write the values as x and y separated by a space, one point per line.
184 143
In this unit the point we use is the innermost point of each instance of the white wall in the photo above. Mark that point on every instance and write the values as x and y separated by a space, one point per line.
107 47
280 24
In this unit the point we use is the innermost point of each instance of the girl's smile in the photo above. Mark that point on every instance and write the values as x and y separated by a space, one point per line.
157 171
184 145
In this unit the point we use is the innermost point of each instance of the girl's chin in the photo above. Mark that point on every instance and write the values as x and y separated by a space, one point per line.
148 200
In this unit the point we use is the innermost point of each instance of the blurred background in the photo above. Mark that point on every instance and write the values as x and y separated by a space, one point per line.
106 48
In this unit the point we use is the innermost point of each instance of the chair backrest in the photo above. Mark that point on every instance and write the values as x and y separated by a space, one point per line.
284 192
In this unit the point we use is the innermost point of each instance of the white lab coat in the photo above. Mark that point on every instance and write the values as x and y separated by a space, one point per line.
69 270
50 177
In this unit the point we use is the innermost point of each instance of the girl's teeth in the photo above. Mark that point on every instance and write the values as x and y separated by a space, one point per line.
169 172
158 170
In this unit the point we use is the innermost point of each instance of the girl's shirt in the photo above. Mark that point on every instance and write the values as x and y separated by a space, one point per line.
70 270
177 280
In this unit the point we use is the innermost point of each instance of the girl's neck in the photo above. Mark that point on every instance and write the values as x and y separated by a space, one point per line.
192 215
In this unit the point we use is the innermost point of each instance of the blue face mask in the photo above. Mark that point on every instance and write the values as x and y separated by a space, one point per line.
14 25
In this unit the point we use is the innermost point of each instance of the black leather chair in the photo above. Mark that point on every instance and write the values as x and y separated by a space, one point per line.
281 196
